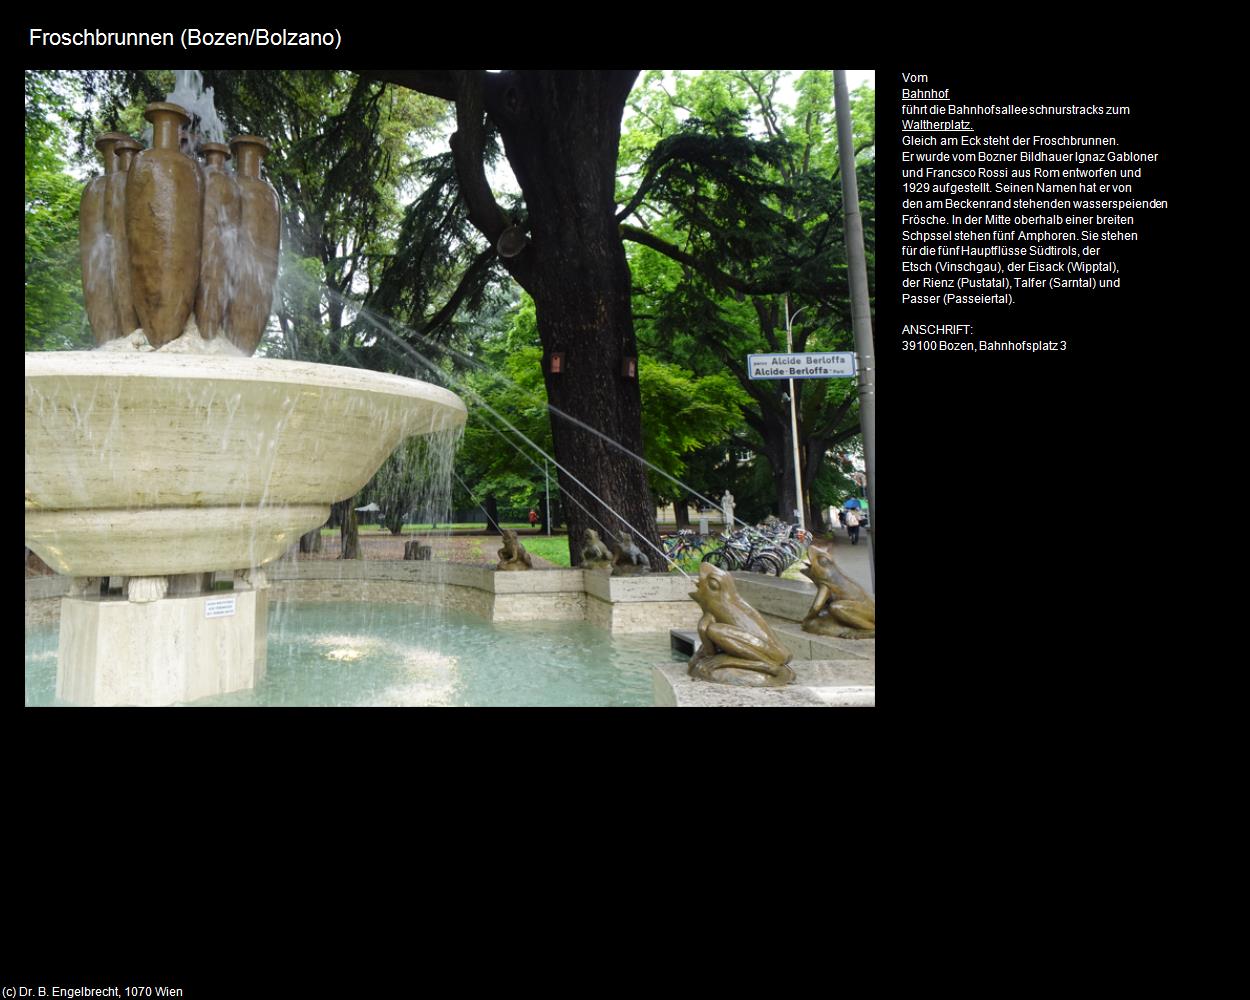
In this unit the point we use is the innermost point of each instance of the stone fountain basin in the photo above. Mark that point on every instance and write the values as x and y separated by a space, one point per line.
149 464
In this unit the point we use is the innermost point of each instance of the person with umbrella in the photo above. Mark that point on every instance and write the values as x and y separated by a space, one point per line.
850 518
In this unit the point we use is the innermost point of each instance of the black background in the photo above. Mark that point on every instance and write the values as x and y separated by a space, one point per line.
999 496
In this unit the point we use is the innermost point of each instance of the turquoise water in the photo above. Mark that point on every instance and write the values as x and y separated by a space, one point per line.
405 655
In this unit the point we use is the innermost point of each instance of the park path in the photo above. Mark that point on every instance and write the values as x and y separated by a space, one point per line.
480 550
472 550
854 560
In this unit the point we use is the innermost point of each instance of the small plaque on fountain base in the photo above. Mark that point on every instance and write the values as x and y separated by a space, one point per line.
161 652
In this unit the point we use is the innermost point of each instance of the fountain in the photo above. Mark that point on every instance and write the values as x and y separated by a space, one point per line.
166 468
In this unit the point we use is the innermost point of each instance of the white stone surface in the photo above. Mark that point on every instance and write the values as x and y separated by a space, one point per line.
788 599
648 587
807 646
653 587
847 697
549 607
170 436
818 684
117 652
143 589
641 616
538 581
166 541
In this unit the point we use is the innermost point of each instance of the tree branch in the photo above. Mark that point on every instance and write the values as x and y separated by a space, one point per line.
673 148
713 274
468 150
480 263
475 93
753 387
767 324
467 147
829 425
435 82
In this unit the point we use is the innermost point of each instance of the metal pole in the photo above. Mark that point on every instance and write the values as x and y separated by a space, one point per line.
547 491
794 421
861 314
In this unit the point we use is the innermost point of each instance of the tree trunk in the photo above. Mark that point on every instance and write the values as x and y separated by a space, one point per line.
561 135
348 532
814 453
681 513
779 453
310 541
490 506
561 130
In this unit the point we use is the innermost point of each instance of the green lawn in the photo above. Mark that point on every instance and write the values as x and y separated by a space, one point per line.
554 549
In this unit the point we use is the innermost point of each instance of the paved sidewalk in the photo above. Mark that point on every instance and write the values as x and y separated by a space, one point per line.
853 560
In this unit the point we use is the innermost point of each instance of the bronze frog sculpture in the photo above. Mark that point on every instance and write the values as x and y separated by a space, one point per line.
513 555
842 608
627 558
735 637
595 554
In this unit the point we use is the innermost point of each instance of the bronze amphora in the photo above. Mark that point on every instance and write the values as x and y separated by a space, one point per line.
256 263
164 223
96 248
115 220
222 203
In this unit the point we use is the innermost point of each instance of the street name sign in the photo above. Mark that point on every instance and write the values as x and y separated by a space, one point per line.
836 364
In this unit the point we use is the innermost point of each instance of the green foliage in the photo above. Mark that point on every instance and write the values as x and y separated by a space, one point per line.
833 484
689 562
55 317
440 263
740 205
681 414
512 386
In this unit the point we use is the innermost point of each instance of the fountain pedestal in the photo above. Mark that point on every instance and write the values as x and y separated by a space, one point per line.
115 651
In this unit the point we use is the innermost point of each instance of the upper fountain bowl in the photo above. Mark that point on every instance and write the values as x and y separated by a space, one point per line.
143 464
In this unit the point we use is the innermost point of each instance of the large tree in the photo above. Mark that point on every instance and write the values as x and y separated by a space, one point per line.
738 213
561 131
681 415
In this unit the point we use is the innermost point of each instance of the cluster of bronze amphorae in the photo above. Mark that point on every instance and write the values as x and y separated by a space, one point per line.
164 236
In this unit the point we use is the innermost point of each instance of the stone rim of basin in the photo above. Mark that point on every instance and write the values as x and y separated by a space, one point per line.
118 451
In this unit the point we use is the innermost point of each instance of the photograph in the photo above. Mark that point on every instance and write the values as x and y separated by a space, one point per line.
536 389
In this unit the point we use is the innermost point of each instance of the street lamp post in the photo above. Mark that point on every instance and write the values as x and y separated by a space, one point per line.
794 418
861 313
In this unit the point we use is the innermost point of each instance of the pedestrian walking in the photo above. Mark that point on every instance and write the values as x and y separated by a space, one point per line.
533 518
852 526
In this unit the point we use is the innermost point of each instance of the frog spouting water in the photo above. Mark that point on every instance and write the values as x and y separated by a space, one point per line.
735 637
627 558
842 608
595 554
513 555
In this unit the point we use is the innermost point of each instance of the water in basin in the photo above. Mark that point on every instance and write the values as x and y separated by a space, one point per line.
343 654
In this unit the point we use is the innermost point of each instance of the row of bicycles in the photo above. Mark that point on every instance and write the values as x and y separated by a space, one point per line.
771 547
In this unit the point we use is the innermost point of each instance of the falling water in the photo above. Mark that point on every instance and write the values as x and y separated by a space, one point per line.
190 93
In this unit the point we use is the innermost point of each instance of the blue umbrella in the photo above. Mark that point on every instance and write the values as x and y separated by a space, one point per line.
852 502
